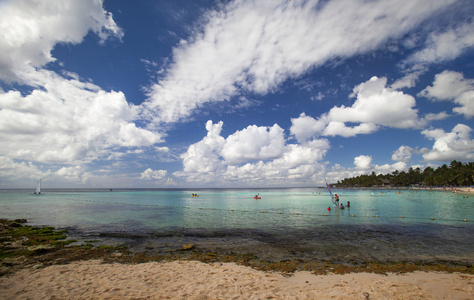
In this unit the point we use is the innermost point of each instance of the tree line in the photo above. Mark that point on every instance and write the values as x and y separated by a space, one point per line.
456 174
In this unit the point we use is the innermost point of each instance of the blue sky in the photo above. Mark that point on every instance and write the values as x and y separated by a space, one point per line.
231 93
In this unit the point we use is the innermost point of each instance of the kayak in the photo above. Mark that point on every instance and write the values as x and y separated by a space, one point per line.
257 197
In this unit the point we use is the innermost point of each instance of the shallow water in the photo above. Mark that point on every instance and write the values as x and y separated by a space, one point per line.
380 225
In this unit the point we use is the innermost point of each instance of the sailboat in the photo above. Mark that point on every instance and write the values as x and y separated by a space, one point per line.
333 199
38 188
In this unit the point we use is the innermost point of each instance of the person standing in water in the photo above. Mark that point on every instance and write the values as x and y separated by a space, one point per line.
336 199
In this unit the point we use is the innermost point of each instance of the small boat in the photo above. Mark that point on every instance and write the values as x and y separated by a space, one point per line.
257 197
38 188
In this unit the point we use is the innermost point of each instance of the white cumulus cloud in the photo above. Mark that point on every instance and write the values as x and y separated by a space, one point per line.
73 173
154 174
305 127
448 146
403 153
29 30
452 86
61 119
67 122
362 162
11 172
252 156
204 156
339 128
376 106
254 143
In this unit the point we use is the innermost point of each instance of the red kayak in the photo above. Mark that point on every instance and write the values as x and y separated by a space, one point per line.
257 197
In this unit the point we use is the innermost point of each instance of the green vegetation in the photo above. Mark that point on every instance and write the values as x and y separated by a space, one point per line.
20 240
27 246
456 174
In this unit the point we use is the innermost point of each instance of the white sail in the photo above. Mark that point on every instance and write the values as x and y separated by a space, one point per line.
333 199
38 188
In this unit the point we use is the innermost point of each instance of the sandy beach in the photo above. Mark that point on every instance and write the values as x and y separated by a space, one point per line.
466 190
196 280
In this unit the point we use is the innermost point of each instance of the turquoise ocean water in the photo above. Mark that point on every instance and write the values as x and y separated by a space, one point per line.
380 225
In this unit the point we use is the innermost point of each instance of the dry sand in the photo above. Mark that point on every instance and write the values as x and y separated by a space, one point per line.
196 280
464 190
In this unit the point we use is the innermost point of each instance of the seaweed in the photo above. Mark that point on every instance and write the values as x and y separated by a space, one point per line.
25 246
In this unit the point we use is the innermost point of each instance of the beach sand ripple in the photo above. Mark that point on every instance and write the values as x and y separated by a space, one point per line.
196 280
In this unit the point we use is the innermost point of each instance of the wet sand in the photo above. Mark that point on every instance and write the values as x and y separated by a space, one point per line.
469 191
196 280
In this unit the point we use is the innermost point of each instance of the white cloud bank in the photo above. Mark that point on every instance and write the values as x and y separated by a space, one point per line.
447 146
261 155
256 45
62 119
252 157
67 122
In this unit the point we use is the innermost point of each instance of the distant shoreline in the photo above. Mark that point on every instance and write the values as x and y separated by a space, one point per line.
468 190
